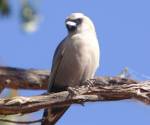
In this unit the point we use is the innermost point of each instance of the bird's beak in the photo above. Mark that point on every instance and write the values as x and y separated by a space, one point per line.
71 25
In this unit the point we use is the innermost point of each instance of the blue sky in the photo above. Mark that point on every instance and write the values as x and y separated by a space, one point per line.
123 29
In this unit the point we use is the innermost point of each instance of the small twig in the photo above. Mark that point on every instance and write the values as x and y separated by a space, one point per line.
21 122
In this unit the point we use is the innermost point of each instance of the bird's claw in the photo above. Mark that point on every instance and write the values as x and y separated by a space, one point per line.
89 82
72 91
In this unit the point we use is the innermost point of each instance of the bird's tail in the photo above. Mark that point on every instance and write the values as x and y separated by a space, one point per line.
52 115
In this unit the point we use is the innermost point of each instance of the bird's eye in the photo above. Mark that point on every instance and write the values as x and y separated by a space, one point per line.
78 21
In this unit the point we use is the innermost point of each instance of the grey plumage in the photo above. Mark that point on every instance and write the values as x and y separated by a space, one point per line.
75 60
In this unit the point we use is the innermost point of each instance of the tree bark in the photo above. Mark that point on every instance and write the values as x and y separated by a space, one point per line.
99 89
18 78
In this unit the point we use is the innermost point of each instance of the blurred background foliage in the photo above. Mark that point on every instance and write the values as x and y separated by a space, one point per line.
29 20
28 14
4 8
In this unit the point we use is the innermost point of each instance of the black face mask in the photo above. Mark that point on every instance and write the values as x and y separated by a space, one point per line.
73 27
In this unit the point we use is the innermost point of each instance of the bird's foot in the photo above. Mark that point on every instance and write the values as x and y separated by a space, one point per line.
90 82
72 91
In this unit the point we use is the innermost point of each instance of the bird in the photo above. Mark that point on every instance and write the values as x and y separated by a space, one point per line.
75 60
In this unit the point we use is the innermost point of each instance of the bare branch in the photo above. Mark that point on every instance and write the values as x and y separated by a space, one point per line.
18 78
21 122
101 89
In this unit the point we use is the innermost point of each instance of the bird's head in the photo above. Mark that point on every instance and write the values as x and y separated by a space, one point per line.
78 22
